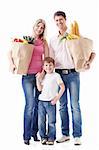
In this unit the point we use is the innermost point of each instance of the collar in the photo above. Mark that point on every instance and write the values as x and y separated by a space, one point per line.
64 36
59 34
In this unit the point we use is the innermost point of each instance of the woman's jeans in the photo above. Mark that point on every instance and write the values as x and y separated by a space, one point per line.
45 108
31 106
72 84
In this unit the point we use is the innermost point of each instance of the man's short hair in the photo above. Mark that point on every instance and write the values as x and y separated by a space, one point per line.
60 13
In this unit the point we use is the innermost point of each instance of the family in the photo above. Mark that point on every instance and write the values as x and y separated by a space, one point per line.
50 74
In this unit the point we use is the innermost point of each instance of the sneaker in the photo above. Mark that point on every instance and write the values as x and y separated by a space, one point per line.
43 141
77 141
27 142
50 142
63 139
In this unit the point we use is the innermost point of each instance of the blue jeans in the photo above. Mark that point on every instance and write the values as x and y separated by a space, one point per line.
72 83
31 106
46 108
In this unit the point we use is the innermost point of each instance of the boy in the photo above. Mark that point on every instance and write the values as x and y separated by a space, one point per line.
48 86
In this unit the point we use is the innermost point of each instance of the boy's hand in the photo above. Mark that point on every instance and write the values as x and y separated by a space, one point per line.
40 75
53 102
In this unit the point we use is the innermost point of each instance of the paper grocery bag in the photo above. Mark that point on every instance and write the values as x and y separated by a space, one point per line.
21 55
81 50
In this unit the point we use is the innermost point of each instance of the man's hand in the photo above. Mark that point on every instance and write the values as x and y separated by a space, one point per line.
87 65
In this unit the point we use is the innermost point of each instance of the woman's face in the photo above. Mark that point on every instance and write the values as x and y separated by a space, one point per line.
39 29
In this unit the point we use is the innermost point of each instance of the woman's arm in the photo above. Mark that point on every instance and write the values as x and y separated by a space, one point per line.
51 50
12 65
46 49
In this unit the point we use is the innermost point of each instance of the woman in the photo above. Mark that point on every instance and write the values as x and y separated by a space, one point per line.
29 82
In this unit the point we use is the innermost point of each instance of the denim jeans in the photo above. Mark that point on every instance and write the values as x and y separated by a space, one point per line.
46 108
72 83
31 106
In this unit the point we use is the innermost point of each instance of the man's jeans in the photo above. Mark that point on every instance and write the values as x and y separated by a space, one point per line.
31 106
72 83
46 108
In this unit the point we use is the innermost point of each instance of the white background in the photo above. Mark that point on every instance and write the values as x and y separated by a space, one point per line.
16 20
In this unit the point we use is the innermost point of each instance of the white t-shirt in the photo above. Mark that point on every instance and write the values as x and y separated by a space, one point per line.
50 84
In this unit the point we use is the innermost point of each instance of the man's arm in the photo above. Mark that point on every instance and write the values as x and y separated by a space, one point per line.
92 56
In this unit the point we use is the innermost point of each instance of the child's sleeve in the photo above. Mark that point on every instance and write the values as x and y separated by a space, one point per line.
59 79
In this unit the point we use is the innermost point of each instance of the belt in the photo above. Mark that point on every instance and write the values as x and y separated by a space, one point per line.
33 74
65 71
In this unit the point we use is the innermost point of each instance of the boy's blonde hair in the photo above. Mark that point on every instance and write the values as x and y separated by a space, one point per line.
49 59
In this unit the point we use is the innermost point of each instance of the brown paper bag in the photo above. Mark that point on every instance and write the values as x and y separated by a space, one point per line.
21 55
81 50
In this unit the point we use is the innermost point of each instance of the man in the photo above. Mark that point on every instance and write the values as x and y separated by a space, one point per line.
65 67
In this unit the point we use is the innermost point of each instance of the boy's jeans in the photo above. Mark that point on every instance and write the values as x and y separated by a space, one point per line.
31 106
46 108
72 83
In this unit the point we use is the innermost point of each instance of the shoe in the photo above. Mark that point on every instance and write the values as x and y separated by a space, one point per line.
63 139
50 142
43 141
77 141
27 142
36 138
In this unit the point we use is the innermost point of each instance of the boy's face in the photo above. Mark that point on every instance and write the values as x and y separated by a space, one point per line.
48 67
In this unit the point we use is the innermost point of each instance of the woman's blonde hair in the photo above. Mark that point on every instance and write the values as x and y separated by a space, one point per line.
43 22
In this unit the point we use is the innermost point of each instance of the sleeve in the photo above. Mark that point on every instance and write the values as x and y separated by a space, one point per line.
59 79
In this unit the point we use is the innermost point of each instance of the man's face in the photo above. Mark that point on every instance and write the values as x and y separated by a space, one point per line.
60 22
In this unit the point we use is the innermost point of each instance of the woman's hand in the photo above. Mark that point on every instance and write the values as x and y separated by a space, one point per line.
12 67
